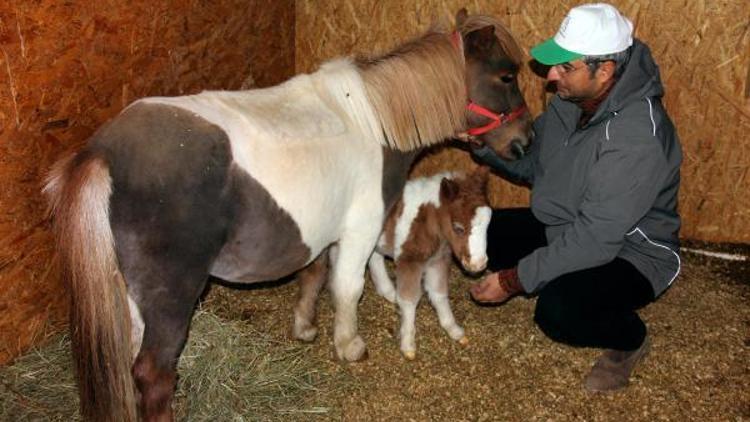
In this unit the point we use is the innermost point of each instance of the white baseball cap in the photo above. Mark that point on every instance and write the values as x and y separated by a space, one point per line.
588 30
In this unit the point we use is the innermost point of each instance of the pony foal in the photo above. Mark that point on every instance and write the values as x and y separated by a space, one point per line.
435 215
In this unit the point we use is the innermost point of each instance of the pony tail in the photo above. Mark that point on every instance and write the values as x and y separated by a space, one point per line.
78 189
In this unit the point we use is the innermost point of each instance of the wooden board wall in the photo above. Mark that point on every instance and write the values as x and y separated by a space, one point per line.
65 68
702 47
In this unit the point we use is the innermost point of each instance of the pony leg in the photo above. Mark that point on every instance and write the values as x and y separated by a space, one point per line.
347 284
310 280
379 275
409 286
436 283
163 293
154 370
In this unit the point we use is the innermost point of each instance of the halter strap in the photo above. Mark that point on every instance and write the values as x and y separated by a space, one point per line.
497 119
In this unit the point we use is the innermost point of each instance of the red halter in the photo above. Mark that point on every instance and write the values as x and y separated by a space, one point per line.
497 119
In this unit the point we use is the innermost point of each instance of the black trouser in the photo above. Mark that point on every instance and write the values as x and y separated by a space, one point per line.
595 307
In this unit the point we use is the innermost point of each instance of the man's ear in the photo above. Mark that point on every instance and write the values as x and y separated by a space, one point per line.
606 70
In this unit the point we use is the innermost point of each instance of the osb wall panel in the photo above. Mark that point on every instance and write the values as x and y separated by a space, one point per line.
702 47
65 68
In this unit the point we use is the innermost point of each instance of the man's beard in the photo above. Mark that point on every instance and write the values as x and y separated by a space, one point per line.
572 99
552 87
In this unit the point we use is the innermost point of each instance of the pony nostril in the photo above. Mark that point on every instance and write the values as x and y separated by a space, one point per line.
516 147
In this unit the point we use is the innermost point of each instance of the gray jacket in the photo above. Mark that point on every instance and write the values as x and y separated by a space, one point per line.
608 189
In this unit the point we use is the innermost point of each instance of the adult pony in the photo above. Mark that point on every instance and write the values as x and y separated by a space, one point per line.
247 186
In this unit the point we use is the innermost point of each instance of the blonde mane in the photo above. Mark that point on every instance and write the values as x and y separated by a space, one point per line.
418 91
507 42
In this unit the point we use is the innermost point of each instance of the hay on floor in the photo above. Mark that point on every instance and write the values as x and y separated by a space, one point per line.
227 372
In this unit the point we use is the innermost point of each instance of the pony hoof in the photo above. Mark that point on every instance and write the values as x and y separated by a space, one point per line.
410 354
463 341
356 350
306 334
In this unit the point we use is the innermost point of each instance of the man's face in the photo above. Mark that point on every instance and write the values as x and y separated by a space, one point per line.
575 82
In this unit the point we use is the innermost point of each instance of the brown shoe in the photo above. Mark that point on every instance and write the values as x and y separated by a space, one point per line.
612 370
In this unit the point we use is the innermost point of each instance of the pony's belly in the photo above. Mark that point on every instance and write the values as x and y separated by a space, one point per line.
259 261
263 241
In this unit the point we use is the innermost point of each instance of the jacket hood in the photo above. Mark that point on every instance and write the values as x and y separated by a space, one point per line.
639 80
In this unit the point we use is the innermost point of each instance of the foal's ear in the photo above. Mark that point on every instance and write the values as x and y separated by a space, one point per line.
461 17
448 190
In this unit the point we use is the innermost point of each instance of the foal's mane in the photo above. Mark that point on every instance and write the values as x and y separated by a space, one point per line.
417 90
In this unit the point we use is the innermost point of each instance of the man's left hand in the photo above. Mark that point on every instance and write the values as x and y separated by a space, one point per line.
497 287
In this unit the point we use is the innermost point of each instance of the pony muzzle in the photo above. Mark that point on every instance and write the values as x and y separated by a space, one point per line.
475 265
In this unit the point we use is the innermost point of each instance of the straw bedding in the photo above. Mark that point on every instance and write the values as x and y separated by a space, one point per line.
241 363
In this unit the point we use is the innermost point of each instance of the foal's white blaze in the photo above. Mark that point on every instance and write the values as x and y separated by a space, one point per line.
136 327
478 238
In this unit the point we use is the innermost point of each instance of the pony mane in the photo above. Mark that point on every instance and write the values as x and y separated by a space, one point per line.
418 91
504 36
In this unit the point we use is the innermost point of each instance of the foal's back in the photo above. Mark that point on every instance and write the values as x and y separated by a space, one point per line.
413 226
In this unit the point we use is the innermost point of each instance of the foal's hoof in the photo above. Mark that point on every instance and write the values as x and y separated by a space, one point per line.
410 354
463 341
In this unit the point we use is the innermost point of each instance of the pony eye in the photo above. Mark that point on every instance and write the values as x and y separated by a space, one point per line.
458 228
508 78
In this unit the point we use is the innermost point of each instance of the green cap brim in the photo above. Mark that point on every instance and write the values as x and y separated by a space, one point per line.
550 53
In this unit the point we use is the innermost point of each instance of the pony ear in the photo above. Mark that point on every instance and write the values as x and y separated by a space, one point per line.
481 40
448 190
461 17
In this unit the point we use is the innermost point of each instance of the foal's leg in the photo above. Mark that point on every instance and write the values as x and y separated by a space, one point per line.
409 291
436 283
310 280
379 275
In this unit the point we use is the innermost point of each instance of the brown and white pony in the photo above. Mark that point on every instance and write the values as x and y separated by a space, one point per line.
436 215
247 186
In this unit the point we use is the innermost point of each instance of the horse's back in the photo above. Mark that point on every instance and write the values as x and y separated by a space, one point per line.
278 196
297 144
406 222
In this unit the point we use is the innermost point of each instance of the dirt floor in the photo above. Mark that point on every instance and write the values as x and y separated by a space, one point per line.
698 369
